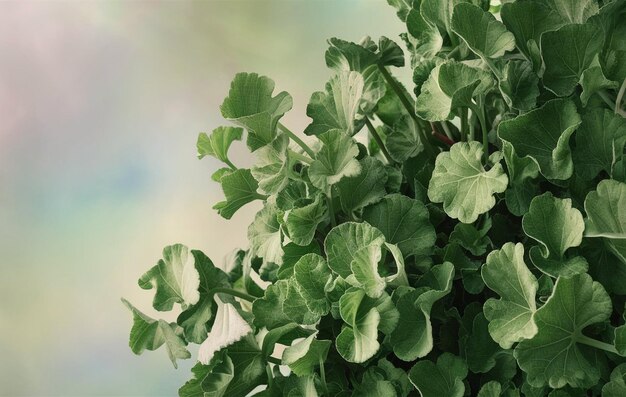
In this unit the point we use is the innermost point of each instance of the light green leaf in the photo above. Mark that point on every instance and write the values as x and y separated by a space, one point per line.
338 107
302 222
312 275
592 81
343 241
295 306
519 85
150 334
574 11
555 356
364 267
265 235
490 389
403 140
606 211
413 337
439 13
210 380
218 143
557 227
250 105
404 222
175 279
511 316
368 187
521 171
231 327
348 56
302 357
599 143
442 379
528 20
273 165
472 239
617 386
268 310
480 30
335 160
357 341
450 85
567 52
543 135
460 182
240 188
424 39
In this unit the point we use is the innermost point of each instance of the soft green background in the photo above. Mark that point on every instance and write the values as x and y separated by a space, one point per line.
100 106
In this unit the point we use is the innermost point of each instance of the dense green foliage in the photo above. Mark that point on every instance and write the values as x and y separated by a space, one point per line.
465 237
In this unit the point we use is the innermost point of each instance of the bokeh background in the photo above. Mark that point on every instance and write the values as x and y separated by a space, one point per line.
100 107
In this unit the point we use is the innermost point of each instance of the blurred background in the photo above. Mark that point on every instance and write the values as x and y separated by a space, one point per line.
100 107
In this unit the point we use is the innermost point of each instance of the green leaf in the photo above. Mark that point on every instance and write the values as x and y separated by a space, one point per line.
357 341
194 319
606 211
404 222
302 222
490 389
338 107
413 337
567 52
604 266
209 380
442 379
574 12
231 327
460 182
557 227
273 165
528 20
335 160
217 144
480 349
265 235
250 105
348 56
368 187
175 279
555 357
312 275
283 335
521 171
617 386
364 267
150 334
249 367
302 357
240 188
480 30
424 39
439 13
519 85
543 135
343 241
600 143
592 81
511 316
268 311
295 306
450 85
403 140
472 239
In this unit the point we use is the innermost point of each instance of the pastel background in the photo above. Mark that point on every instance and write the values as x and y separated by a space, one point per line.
100 107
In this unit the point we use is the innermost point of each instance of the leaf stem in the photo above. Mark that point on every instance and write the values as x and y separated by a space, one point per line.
464 124
480 113
297 140
605 97
230 291
493 68
446 129
331 209
274 360
585 340
323 375
300 157
378 140
408 106
230 164
620 95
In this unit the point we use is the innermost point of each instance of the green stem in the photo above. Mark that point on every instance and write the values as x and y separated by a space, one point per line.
620 95
446 129
230 164
480 113
301 157
408 106
297 140
453 52
274 360
378 140
585 340
605 97
233 292
493 68
323 375
464 124
472 127
331 209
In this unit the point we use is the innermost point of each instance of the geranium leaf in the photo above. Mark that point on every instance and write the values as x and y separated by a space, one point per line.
480 349
217 144
240 188
358 342
442 379
335 160
480 30
302 222
312 275
557 227
403 140
555 356
265 235
519 85
571 12
364 267
368 187
303 356
511 316
212 379
543 135
250 104
150 334
606 211
460 182
472 239
593 81
175 279
617 385
424 39
268 310
273 165
404 222
343 241
522 172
